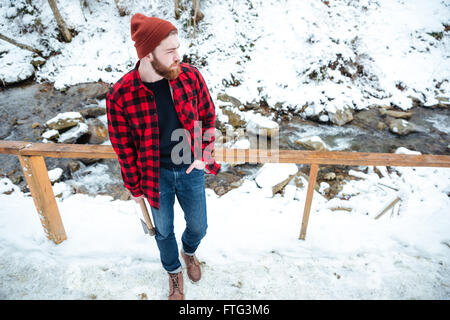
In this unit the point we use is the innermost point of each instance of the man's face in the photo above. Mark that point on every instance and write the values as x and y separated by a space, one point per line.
166 60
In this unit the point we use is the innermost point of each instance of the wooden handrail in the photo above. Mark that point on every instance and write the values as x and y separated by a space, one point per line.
59 150
31 156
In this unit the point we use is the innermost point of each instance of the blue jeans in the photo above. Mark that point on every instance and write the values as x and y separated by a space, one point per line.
190 192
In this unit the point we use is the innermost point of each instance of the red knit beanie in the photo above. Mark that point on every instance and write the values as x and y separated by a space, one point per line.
148 32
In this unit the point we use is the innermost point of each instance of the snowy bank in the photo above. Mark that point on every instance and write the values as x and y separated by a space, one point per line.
251 250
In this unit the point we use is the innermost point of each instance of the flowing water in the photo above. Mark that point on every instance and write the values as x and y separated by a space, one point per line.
25 108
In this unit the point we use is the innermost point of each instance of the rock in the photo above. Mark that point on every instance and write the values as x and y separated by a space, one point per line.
220 140
399 114
401 127
35 125
226 98
234 119
324 118
330 176
297 181
51 135
6 186
16 179
72 135
98 131
443 100
312 143
118 191
381 125
92 112
38 61
222 182
403 150
55 174
65 120
262 126
73 166
382 110
272 174
341 117
324 188
223 97
14 71
251 106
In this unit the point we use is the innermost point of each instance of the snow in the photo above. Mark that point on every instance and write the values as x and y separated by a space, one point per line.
272 47
6 186
15 65
273 173
346 255
50 134
55 174
74 133
258 124
280 51
64 116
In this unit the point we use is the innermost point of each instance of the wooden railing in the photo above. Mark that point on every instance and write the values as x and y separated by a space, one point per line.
31 157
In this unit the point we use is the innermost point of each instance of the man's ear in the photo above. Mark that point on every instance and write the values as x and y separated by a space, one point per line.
150 57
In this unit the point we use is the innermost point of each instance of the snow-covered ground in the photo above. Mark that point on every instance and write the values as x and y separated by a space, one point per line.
281 51
326 55
251 250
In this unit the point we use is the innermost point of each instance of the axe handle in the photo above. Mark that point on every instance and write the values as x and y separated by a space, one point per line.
148 221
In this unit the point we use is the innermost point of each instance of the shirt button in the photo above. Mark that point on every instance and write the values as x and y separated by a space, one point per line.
150 98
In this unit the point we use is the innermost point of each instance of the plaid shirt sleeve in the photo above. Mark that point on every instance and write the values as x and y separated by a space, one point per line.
124 146
207 116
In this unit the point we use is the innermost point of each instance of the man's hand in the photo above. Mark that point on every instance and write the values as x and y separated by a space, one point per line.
137 199
198 164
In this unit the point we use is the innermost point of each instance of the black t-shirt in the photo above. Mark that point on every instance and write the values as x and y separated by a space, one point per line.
168 122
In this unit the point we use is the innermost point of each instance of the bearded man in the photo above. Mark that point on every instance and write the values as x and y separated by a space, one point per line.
161 125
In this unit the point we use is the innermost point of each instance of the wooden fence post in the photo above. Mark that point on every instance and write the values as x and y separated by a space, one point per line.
309 196
36 175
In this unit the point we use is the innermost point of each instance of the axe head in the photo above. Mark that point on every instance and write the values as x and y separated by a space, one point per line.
150 232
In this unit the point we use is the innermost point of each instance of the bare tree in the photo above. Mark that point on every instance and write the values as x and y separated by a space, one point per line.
177 9
84 3
198 15
195 14
20 45
60 21
122 10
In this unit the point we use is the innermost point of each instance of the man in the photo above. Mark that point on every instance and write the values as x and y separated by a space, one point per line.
147 109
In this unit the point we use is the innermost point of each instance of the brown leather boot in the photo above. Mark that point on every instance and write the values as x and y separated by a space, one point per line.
176 286
193 267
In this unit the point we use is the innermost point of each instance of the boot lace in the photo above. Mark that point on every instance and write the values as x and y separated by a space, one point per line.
192 260
175 280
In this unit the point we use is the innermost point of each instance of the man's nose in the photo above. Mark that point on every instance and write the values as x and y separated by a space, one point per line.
176 57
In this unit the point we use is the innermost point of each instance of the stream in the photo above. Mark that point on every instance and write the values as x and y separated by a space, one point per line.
26 107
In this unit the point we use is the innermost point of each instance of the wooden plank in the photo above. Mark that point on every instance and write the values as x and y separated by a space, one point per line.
12 147
309 195
36 175
61 150
331 158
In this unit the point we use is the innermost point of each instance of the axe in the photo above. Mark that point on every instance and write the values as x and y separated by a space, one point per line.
147 225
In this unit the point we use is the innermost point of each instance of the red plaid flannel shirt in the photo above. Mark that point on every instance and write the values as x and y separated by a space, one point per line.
133 127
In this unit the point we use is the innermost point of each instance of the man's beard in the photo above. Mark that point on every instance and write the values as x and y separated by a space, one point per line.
170 73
